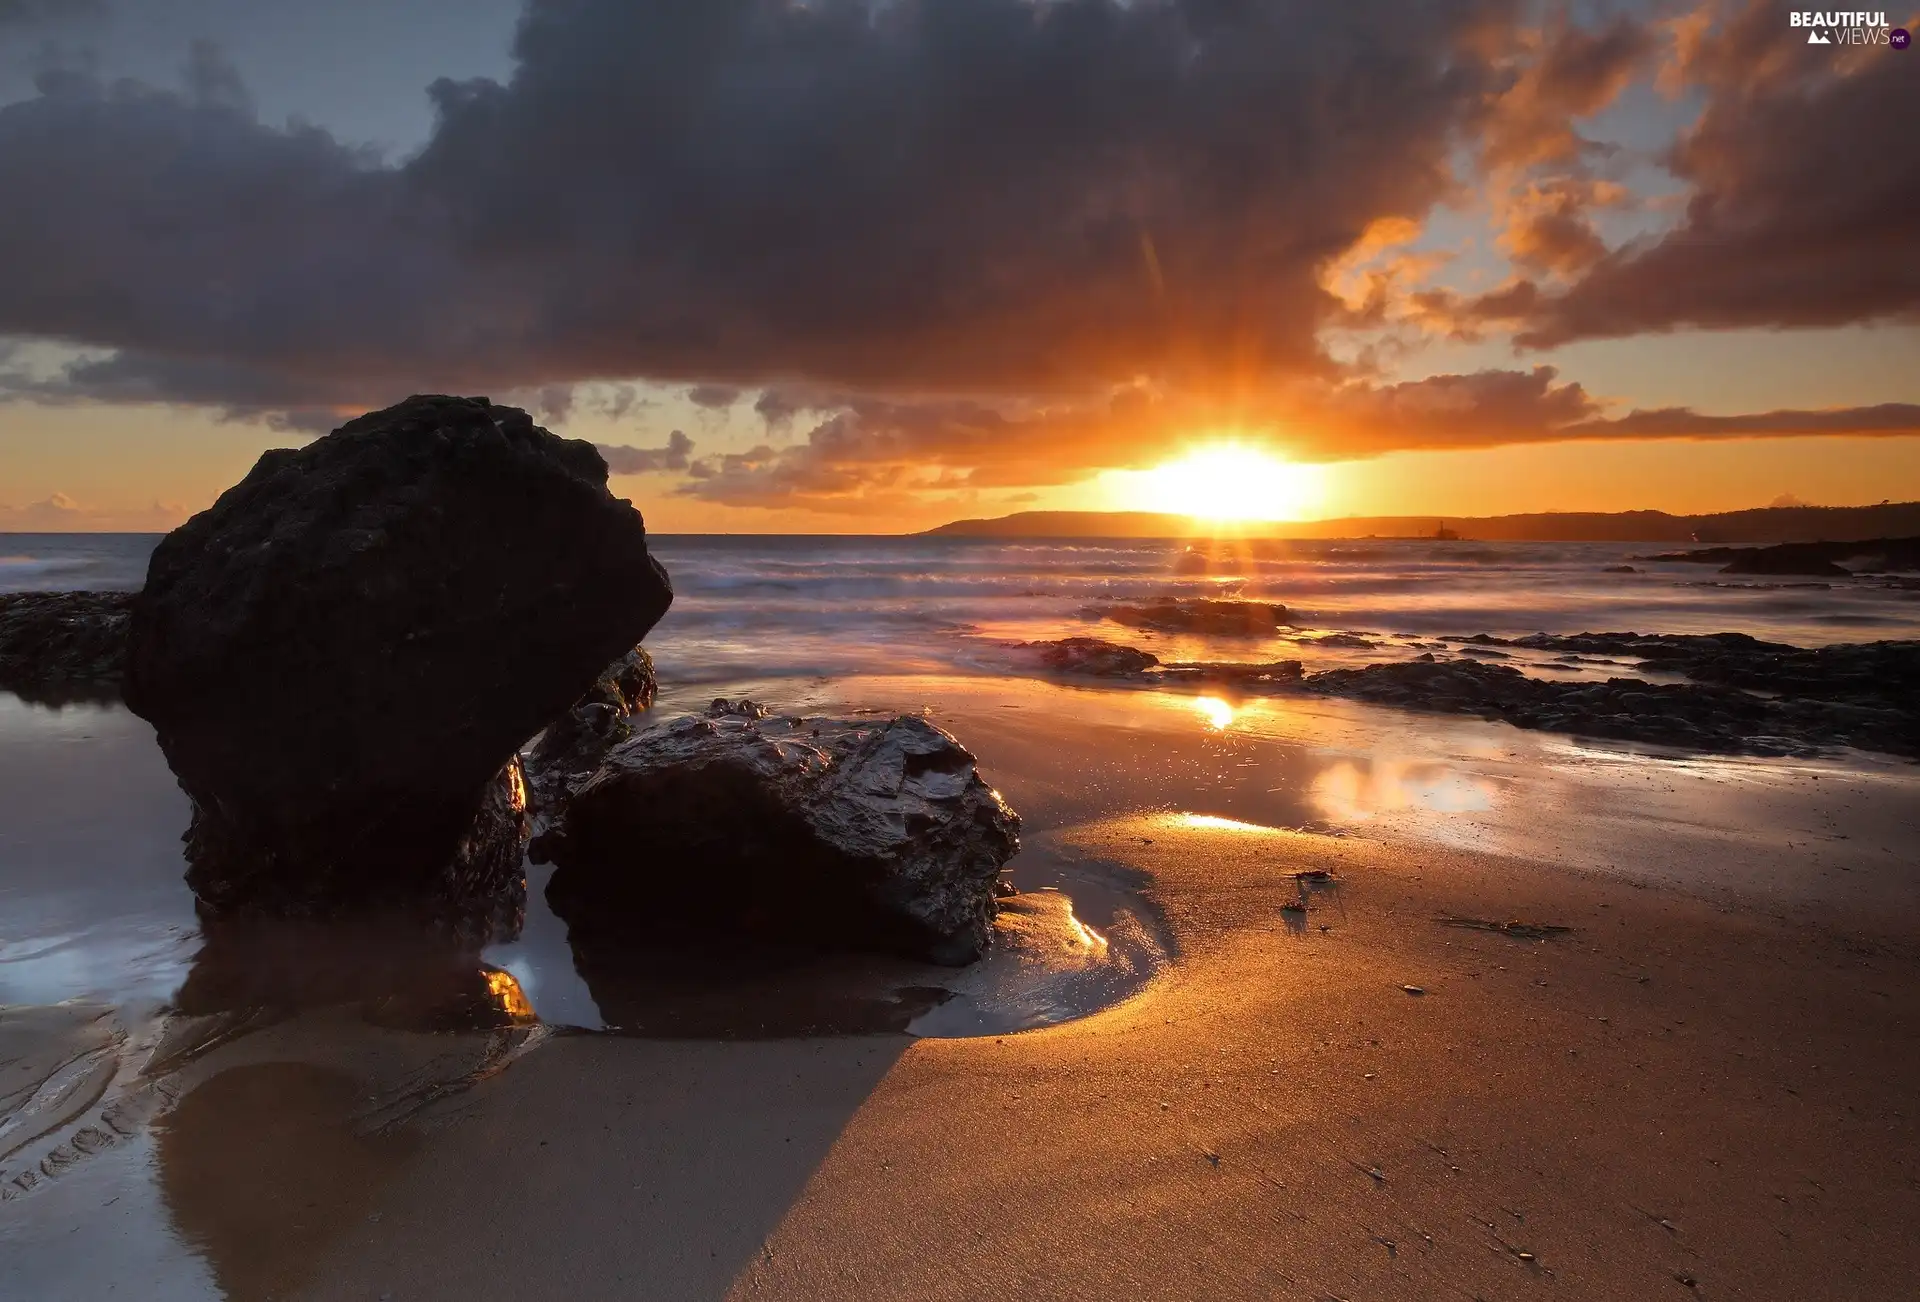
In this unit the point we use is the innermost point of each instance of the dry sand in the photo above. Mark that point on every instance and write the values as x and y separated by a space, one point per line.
1703 1088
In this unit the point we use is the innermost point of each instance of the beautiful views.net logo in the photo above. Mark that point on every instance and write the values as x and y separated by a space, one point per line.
1843 27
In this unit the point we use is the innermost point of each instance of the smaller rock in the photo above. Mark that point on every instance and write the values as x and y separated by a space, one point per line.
1091 656
817 833
60 645
1273 674
1199 615
743 708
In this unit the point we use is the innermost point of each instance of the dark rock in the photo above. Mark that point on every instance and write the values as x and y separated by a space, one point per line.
743 708
1351 641
1200 615
63 645
343 655
839 833
1786 559
1822 559
573 745
1699 715
1090 655
1247 677
1620 569
474 886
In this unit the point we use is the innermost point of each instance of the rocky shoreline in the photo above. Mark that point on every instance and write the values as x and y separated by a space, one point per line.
1743 695
1820 559
58 647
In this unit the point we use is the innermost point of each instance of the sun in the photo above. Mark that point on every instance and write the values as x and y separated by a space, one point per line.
1230 481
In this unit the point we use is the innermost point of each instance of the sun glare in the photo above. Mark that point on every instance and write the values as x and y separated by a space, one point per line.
1232 482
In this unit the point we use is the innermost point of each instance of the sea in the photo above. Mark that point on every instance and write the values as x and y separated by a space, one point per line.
754 608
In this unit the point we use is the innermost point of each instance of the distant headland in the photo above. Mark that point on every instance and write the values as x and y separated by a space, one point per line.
1770 524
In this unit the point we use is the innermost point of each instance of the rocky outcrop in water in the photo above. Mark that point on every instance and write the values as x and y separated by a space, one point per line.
59 646
1089 657
571 747
1820 559
871 834
1274 675
1746 695
1214 618
343 655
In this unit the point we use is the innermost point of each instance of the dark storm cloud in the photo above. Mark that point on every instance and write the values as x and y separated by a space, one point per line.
968 195
623 460
1805 204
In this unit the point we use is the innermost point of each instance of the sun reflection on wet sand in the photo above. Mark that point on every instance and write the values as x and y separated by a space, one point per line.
1218 713
1080 931
1362 789
1214 823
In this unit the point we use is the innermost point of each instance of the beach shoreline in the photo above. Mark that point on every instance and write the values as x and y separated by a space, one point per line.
1748 1091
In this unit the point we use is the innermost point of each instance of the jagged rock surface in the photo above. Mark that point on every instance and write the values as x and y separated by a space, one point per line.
56 646
573 745
840 833
342 656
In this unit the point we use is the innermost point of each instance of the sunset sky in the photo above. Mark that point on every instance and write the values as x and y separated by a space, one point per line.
845 266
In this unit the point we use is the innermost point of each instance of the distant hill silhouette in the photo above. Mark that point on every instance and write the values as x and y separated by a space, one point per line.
1767 524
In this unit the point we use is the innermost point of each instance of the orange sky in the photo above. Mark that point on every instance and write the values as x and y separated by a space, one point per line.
1465 267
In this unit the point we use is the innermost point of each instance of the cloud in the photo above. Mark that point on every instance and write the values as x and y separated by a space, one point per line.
873 455
982 196
1576 71
622 460
59 513
1802 203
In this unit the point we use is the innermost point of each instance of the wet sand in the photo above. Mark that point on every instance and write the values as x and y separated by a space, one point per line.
1702 1088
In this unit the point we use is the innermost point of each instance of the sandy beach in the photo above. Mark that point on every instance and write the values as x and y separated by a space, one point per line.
1700 1087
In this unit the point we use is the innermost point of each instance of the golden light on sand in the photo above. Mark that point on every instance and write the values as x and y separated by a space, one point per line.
1231 481
1218 713
1214 823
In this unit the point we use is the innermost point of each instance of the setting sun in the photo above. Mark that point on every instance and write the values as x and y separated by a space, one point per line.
1232 482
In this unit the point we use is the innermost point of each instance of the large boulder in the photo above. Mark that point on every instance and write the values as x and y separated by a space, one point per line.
870 834
343 655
